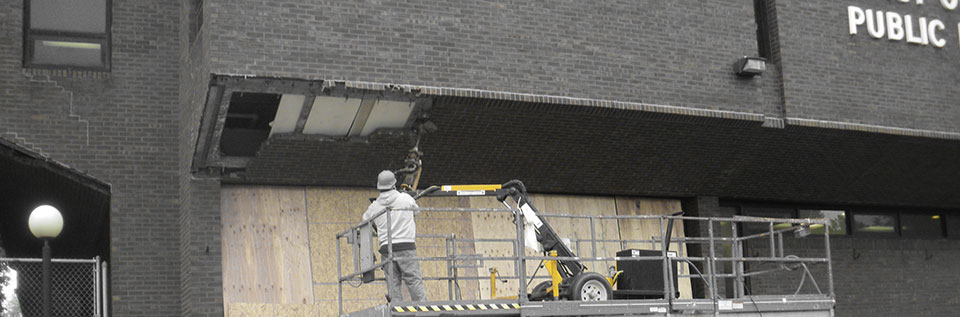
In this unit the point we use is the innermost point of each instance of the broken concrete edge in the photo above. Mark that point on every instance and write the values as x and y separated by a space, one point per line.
31 157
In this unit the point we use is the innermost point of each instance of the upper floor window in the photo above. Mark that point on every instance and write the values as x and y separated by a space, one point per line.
196 19
67 34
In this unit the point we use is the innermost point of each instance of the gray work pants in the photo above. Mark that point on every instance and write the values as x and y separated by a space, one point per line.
406 271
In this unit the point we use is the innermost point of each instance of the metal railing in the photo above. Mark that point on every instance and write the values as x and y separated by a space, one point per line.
704 266
78 287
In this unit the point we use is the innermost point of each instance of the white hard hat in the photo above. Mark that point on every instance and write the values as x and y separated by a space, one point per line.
386 180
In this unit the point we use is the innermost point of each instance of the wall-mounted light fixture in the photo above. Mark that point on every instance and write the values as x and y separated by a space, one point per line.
750 66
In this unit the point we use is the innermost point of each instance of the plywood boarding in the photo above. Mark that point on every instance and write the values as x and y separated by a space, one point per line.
439 223
636 229
265 247
271 310
333 210
500 226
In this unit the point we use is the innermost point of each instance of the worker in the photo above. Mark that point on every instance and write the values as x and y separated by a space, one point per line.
404 231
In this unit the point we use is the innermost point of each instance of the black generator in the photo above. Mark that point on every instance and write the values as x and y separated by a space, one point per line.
642 279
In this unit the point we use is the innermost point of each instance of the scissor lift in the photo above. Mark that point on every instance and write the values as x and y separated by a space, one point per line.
561 299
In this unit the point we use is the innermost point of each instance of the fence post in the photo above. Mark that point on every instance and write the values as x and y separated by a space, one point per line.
96 286
106 299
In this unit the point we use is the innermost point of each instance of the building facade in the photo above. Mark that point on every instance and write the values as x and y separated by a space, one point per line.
178 105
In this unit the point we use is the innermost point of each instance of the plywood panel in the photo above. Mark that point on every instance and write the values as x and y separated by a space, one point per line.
333 210
329 307
636 229
266 258
338 205
271 310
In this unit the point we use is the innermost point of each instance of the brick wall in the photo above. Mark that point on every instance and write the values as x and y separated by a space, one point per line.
201 276
832 75
120 127
877 277
645 51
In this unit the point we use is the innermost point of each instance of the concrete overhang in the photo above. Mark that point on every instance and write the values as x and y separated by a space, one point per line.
587 146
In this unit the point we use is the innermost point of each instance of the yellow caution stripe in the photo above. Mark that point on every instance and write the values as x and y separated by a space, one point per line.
441 308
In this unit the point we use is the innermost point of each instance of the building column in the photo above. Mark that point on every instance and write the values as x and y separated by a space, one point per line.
702 206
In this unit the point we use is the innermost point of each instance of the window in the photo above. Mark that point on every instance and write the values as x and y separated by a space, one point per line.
196 19
836 220
953 225
875 224
750 228
67 34
920 225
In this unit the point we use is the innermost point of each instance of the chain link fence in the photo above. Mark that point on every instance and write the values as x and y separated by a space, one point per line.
76 287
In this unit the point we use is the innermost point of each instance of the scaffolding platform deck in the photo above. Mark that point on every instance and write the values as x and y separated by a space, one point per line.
782 306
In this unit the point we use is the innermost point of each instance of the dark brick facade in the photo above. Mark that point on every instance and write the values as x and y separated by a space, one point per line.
832 75
647 51
121 128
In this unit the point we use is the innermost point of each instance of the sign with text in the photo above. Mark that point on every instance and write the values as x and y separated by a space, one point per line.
918 30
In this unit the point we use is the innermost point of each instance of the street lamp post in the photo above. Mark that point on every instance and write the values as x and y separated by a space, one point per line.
45 224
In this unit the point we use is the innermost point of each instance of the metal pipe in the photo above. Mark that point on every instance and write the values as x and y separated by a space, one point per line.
106 288
456 278
96 286
711 266
776 259
339 281
39 260
389 259
766 233
780 244
521 261
826 244
352 275
46 278
446 249
664 263
593 238
737 251
773 247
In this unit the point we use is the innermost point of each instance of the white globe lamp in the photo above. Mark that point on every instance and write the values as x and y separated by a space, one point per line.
46 222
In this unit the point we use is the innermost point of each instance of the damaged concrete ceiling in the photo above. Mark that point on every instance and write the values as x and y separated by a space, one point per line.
577 146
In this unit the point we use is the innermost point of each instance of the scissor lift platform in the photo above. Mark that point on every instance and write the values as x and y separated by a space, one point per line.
782 306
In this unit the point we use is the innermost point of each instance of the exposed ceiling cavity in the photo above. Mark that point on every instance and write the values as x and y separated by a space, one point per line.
248 122
241 114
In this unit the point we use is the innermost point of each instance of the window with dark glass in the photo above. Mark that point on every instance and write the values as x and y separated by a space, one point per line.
874 223
953 225
836 220
921 225
67 34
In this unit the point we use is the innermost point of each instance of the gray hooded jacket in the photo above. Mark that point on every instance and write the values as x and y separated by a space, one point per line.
402 227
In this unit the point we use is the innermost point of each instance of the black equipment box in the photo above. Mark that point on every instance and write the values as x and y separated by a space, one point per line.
642 278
